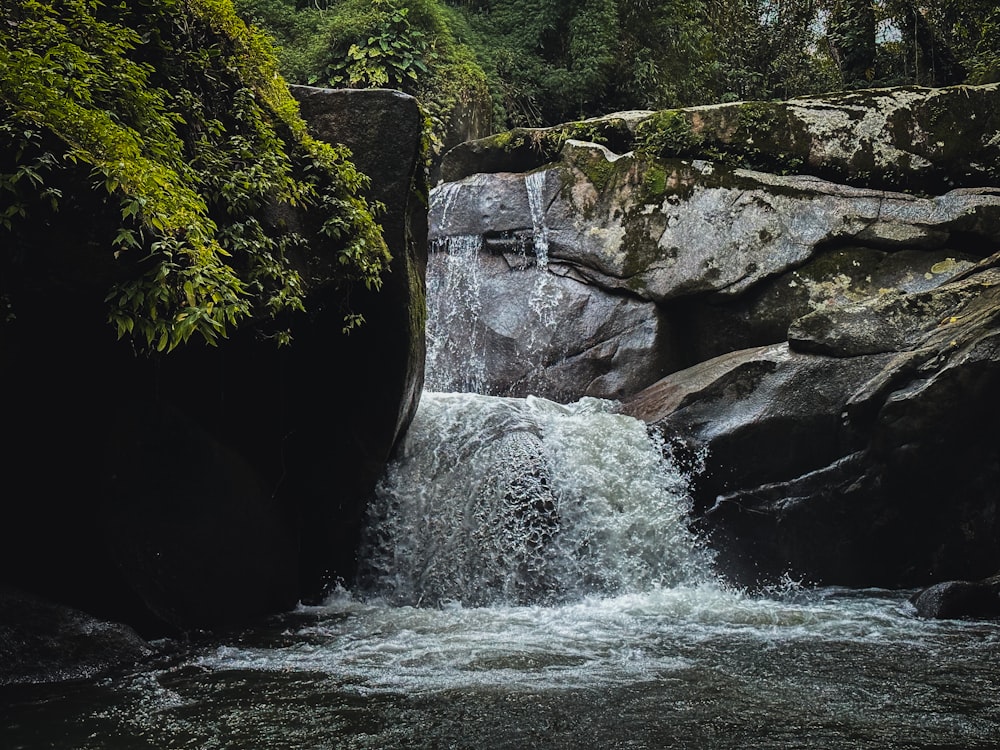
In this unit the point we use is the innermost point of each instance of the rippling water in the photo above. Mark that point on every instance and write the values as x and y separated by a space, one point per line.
698 667
529 581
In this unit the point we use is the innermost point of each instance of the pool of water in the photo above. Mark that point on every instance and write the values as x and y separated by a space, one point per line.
683 667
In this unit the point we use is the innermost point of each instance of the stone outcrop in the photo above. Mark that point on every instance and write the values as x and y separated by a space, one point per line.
41 642
209 486
824 273
951 600
909 138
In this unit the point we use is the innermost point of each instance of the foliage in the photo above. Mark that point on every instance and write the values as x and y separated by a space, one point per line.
162 130
393 55
418 46
983 60
544 62
668 133
552 61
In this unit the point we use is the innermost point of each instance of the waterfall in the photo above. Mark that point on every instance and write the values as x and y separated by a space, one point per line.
546 296
496 296
456 346
501 500
494 500
534 185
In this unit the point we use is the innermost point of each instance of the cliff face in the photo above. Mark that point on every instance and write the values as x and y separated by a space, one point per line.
819 276
210 485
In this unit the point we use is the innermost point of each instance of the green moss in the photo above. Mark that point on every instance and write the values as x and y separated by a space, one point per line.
654 181
598 170
668 133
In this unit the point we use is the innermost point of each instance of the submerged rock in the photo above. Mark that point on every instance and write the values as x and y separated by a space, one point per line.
952 600
42 642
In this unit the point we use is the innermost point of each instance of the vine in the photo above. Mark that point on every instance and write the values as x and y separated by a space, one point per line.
164 127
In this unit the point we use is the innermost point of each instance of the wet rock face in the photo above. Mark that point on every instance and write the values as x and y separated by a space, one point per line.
41 642
960 600
831 340
500 324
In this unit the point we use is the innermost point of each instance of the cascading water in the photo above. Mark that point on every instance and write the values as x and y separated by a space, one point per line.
545 298
463 276
505 501
534 186
455 338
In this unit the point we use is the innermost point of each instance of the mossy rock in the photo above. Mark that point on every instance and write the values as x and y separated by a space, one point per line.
911 139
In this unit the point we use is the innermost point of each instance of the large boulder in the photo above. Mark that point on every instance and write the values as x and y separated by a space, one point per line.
824 271
663 229
211 485
906 138
951 600
842 462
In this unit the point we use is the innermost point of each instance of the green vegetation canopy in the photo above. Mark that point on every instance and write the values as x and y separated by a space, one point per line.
158 136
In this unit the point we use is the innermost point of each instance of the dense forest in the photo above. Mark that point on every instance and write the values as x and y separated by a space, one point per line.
542 62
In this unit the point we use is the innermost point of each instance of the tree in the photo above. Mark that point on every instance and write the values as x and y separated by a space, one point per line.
851 40
155 136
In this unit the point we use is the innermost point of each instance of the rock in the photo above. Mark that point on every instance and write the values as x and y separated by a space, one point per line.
43 642
207 487
668 229
526 149
758 415
891 321
207 544
368 383
868 469
729 259
833 279
960 600
499 324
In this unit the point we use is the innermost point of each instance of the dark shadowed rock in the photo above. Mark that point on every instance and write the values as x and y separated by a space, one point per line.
373 378
857 469
960 600
44 642
209 486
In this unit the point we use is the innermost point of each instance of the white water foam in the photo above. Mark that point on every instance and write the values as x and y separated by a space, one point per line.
513 501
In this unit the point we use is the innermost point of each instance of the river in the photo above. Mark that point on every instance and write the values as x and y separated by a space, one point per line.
529 581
